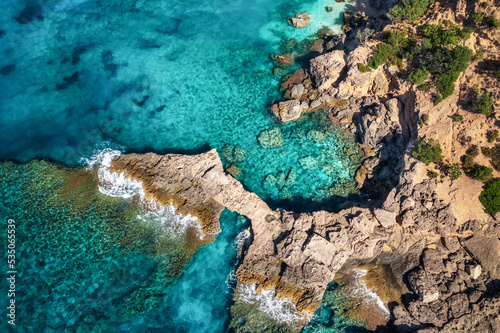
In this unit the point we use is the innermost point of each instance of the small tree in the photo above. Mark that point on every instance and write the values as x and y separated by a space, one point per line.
428 152
481 173
484 104
493 22
454 171
477 17
490 198
418 76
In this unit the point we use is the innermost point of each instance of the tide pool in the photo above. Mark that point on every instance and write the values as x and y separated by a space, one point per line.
166 76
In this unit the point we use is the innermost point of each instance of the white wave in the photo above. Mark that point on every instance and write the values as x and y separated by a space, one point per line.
363 292
280 309
241 238
101 157
115 184
167 217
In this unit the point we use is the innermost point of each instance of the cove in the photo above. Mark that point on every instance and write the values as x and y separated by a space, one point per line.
168 76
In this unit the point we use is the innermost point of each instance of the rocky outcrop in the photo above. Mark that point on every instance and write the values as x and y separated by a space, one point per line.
301 20
326 69
298 254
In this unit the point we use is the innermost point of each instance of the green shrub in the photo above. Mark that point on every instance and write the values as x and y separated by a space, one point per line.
473 151
468 164
493 22
492 136
424 87
432 174
449 64
446 84
418 76
484 5
394 37
384 53
481 173
363 68
428 152
477 17
454 171
484 104
425 44
494 155
440 36
486 151
411 10
458 118
453 61
490 198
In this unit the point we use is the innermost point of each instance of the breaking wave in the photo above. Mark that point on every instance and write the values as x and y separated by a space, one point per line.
280 309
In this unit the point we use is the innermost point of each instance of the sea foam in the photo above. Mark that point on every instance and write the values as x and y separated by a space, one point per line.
280 309
366 294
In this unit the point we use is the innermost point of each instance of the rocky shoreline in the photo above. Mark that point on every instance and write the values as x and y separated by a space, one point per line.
447 267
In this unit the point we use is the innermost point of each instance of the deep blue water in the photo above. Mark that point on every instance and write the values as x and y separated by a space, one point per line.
160 76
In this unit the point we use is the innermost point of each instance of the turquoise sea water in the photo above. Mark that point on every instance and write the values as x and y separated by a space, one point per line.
160 76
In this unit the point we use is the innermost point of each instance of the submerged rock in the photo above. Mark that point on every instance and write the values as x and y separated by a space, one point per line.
270 138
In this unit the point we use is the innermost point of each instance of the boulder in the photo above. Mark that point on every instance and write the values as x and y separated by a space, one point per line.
297 91
301 20
326 69
291 110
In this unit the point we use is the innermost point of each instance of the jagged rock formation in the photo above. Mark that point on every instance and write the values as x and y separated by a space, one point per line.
448 270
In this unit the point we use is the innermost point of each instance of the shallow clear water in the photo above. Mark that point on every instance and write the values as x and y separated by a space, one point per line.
161 76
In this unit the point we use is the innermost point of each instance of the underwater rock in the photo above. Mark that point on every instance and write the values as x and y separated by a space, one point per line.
30 14
301 20
284 60
234 171
316 136
270 138
308 162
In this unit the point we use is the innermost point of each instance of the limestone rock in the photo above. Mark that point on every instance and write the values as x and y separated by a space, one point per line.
291 110
320 249
297 91
474 271
387 219
423 285
301 20
326 69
